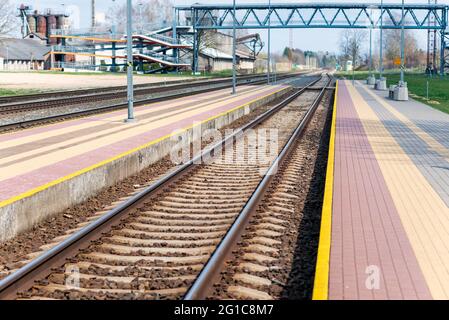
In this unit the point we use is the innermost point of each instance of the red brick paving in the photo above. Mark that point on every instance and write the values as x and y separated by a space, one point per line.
366 227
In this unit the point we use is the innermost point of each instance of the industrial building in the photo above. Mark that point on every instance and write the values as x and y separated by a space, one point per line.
23 55
39 25
218 56
156 49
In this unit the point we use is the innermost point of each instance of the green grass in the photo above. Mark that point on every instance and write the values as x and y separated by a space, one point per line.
417 83
15 92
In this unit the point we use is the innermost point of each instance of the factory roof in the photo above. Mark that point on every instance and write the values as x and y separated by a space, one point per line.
22 49
244 55
215 54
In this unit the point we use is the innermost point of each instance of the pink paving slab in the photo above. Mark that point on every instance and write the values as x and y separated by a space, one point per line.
367 233
102 117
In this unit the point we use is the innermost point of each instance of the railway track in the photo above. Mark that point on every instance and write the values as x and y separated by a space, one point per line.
172 93
171 239
274 258
81 92
52 100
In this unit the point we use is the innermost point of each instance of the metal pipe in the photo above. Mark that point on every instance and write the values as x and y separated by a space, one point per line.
129 58
234 44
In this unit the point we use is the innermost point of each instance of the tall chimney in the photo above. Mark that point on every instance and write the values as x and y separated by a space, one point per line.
94 62
93 12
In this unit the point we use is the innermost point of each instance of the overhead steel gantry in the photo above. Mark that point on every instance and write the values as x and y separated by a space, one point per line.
318 15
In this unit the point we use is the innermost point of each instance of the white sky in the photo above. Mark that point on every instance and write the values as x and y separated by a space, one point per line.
306 39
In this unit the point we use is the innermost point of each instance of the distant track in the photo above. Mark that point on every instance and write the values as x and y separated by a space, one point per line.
170 90
49 100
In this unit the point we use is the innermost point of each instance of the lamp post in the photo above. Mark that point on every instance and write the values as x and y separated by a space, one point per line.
402 44
129 58
381 38
370 51
371 79
381 84
234 44
401 90
269 42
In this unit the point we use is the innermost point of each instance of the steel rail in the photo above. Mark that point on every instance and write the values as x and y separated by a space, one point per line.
27 123
80 92
204 282
73 97
42 266
87 91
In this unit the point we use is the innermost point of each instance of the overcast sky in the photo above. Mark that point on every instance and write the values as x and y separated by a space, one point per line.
310 39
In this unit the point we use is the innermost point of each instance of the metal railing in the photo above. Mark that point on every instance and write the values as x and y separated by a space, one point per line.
166 39
107 34
74 65
101 32
75 49
165 58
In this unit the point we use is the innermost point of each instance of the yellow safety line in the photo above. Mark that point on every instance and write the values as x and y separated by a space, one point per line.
97 165
321 282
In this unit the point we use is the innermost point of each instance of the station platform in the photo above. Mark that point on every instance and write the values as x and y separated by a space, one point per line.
46 169
385 223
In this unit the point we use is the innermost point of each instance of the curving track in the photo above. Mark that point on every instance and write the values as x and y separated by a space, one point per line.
171 238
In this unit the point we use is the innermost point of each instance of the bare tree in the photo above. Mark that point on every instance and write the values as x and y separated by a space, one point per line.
206 39
413 54
345 44
147 15
351 42
8 20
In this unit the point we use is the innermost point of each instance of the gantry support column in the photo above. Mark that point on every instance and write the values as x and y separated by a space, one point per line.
196 44
175 36
443 36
